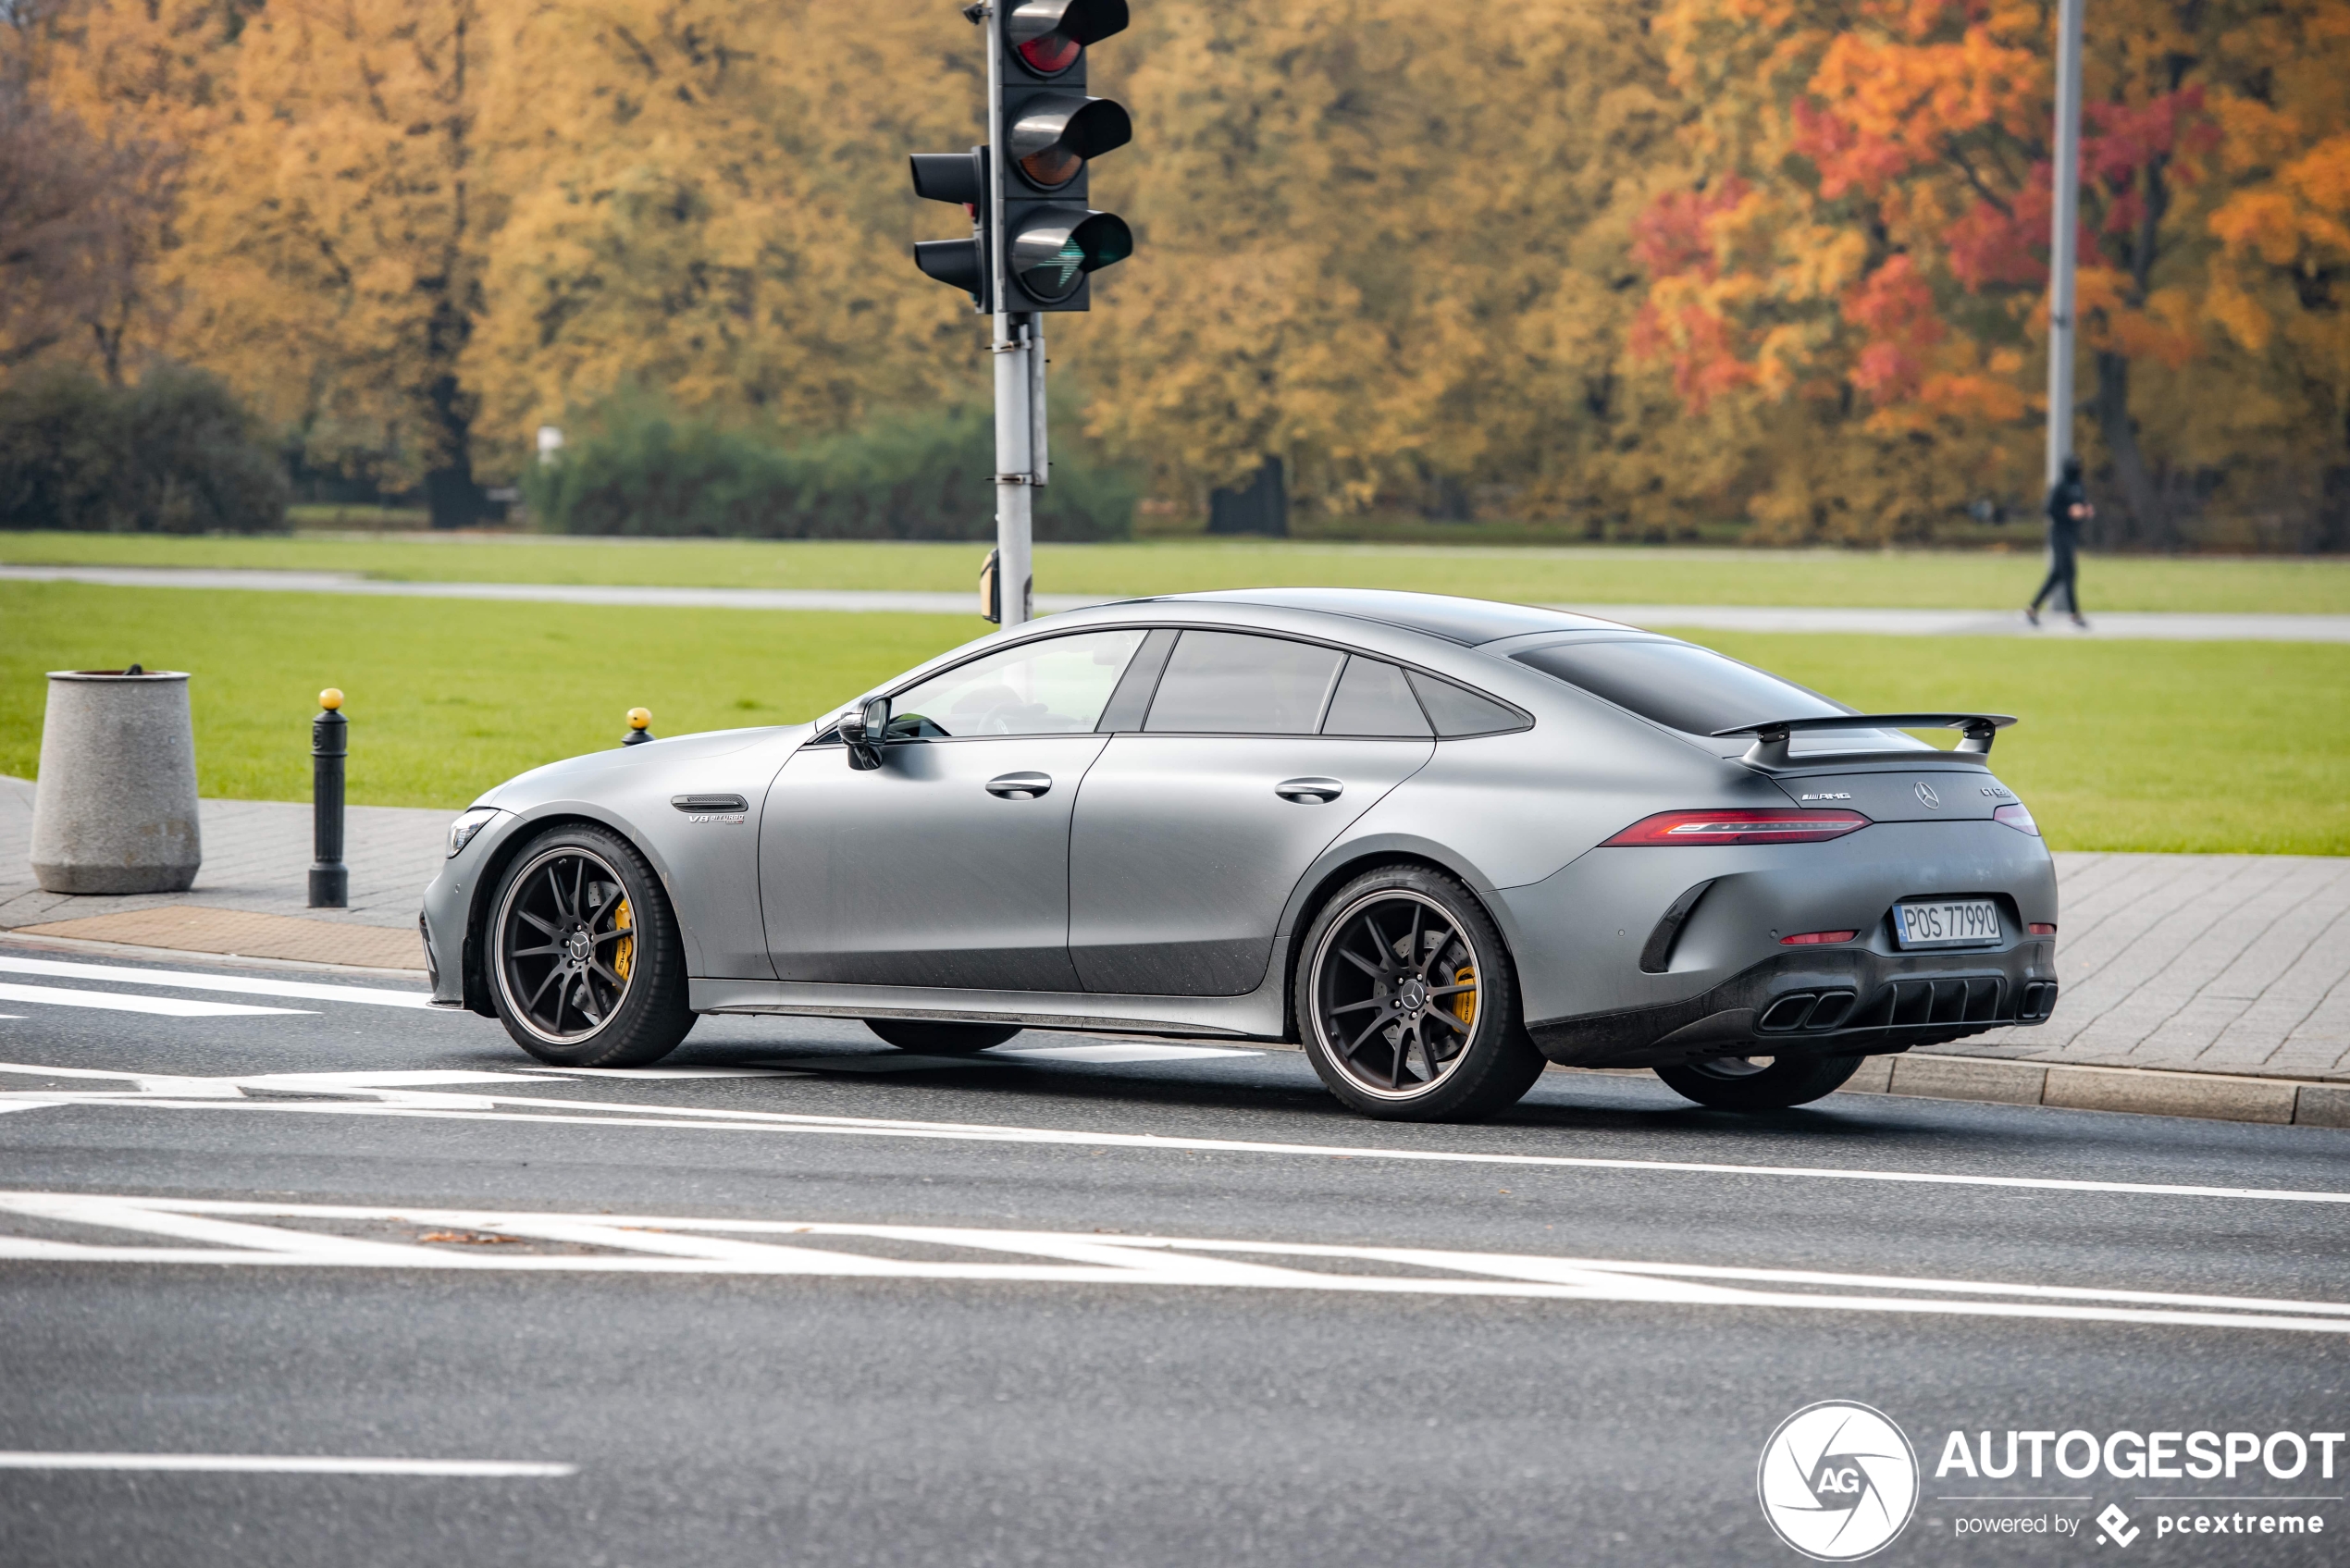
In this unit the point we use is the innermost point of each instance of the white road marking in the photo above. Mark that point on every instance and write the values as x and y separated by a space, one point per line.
880 1061
617 1113
1120 1052
569 1074
167 1007
257 1234
287 1464
193 980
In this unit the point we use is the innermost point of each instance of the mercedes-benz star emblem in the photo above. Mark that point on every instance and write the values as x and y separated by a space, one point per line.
1927 798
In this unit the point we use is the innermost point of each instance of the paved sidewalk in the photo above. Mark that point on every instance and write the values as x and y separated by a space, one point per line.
2126 624
2204 963
2236 966
256 859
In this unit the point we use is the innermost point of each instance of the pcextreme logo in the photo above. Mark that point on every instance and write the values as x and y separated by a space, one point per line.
1837 1481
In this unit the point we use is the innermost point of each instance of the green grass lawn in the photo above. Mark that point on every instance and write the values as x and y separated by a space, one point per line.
445 698
1596 575
2209 747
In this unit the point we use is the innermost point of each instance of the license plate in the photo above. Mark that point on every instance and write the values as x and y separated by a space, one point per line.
1947 922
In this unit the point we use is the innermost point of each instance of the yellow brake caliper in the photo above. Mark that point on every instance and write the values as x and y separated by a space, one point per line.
1464 1002
627 951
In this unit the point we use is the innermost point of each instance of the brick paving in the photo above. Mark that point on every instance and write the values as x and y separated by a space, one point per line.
2201 963
2232 963
256 858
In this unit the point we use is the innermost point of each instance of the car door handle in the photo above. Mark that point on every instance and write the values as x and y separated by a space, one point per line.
1019 787
1309 792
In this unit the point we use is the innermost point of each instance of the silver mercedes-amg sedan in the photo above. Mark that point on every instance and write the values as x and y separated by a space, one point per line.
1435 842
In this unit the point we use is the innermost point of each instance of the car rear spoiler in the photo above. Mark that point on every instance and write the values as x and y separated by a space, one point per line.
1770 747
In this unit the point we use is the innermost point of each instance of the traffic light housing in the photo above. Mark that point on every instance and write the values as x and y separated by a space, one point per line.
961 178
1050 132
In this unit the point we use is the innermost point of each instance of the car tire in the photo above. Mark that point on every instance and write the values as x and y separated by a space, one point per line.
587 966
941 1039
1739 1083
1366 946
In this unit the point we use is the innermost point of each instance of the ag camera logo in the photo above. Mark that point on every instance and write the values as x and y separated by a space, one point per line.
1837 1481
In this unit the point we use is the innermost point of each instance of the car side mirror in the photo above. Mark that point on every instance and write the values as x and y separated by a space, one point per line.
865 729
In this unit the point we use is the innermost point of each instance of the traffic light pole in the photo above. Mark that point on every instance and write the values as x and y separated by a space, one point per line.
1017 346
1034 243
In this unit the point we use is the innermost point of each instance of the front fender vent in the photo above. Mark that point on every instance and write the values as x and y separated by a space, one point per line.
700 804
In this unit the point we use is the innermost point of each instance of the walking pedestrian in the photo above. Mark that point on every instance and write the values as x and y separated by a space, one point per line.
2068 509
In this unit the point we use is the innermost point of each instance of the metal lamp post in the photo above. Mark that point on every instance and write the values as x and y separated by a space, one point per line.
2064 238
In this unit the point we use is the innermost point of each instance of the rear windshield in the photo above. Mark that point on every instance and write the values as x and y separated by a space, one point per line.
1683 687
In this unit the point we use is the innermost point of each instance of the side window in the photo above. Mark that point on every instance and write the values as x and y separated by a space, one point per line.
1057 686
1374 700
1231 683
1456 710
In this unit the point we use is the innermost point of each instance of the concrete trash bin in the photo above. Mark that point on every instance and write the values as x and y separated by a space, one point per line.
115 807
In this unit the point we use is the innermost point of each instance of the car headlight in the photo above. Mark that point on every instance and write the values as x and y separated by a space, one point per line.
462 830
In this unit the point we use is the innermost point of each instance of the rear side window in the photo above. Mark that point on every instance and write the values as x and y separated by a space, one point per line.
1688 689
1456 710
1231 683
1374 700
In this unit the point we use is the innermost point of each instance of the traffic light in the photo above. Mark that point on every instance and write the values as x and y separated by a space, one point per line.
961 178
1051 132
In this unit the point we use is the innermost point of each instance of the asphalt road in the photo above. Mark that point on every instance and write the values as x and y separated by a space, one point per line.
936 1320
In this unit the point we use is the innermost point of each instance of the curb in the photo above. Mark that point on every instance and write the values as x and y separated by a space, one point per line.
2142 1090
187 957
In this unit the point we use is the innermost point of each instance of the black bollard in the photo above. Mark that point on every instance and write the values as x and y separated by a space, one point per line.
329 743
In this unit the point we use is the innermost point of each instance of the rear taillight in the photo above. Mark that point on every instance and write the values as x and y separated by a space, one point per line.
2042 927
1792 826
2018 817
1814 938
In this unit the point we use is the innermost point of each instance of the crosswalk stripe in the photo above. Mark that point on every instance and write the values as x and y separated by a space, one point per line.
287 1464
231 1233
167 1007
195 980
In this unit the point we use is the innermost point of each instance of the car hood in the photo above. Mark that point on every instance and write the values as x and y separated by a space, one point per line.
582 776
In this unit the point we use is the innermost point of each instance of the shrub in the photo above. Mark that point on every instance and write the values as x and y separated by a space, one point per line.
641 468
176 454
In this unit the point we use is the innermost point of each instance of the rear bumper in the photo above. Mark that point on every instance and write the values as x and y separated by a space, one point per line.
1842 1001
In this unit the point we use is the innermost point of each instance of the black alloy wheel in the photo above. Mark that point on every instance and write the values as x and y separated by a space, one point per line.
1760 1084
1406 1003
587 967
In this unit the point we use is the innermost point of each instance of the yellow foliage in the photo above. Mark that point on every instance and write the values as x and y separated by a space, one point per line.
1639 264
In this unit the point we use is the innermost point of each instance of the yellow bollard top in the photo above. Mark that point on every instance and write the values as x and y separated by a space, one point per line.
641 718
330 700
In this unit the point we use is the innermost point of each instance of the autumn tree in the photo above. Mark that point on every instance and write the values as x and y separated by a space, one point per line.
1858 279
708 198
332 235
81 215
1387 248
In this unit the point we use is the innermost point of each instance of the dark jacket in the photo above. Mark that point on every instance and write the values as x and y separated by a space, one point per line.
2064 529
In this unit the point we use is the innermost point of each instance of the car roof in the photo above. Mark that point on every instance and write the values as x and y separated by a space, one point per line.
1467 621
